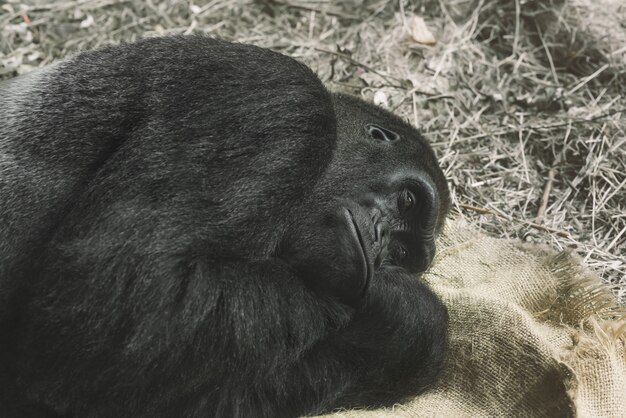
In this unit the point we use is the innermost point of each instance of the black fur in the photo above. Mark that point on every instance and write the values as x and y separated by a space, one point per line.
192 227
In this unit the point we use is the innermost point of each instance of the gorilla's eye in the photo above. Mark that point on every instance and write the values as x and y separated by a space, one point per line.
406 201
402 254
381 134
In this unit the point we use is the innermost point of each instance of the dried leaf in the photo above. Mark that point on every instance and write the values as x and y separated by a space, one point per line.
87 22
380 99
417 29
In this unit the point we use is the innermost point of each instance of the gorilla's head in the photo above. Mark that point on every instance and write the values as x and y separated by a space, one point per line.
379 204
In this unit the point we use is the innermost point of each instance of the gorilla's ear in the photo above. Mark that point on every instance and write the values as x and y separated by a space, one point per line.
380 133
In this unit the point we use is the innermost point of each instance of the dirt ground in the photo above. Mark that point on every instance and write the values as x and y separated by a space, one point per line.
523 100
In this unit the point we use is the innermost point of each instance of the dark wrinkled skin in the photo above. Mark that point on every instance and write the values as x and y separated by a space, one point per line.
198 228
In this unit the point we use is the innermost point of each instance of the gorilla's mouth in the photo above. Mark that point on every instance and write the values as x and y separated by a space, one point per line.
353 226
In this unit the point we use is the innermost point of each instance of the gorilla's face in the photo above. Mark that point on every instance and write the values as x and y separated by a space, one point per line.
379 204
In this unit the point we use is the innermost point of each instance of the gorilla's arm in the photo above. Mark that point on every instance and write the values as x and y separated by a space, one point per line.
320 361
237 339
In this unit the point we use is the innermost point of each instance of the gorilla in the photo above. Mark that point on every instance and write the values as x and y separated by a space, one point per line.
192 227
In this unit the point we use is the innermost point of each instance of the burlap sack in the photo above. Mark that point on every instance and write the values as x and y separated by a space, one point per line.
532 334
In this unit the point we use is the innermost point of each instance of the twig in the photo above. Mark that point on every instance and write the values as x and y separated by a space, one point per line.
548 53
517 27
586 80
546 194
533 225
357 63
476 209
312 9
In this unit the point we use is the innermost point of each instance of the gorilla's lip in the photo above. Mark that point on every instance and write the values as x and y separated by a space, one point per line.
358 239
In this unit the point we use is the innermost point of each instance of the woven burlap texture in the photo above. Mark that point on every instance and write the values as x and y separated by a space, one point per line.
532 334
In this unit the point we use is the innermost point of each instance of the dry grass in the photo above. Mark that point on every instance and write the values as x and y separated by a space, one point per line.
524 107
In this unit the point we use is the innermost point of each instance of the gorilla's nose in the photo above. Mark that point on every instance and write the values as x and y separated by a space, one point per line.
381 233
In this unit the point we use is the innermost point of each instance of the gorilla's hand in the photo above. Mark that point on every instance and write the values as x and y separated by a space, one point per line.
362 237
400 333
336 257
